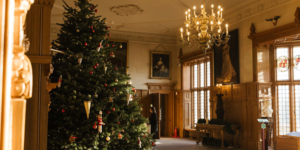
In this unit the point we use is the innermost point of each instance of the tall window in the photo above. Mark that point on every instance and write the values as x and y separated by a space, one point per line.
287 91
200 85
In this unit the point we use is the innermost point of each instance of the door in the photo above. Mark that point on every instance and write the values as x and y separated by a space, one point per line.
155 101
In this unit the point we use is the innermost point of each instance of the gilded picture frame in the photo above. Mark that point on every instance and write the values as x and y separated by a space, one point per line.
160 65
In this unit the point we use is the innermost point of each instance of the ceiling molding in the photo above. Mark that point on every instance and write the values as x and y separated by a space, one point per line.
127 10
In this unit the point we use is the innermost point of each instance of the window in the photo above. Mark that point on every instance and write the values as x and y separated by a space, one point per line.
287 91
200 85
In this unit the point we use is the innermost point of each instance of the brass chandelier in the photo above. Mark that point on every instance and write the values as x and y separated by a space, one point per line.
204 29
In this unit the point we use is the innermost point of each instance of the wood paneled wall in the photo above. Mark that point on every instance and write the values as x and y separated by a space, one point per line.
38 32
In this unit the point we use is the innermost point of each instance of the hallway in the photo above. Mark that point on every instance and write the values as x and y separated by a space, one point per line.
183 144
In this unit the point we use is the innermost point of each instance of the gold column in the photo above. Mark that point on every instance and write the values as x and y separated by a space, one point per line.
17 73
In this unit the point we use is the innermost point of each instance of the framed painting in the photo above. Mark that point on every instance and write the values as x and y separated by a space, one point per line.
227 60
160 65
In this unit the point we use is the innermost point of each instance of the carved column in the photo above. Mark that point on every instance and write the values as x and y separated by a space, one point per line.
38 31
17 72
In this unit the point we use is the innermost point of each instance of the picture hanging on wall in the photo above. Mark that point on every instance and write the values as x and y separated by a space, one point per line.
227 60
160 65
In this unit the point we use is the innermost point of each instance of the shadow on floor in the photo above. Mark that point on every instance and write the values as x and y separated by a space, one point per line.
183 144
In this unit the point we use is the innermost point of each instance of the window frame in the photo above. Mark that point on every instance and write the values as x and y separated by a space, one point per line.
204 89
291 82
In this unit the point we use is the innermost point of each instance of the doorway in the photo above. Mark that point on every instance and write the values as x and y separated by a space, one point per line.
165 114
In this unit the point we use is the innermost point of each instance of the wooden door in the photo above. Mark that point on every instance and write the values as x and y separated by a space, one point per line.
155 101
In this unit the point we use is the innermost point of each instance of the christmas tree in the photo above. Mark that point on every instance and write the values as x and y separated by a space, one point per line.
92 106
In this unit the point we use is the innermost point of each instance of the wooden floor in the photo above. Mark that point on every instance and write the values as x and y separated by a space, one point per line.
183 144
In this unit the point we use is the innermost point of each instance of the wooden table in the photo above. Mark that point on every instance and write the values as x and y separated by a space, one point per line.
213 129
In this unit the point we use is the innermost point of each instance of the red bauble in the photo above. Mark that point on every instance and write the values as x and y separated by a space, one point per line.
85 44
92 7
144 136
95 67
113 45
113 109
107 45
108 35
119 122
105 85
108 112
123 131
97 64
125 138
96 10
153 143
116 68
91 27
93 31
95 126
91 72
114 90
111 54
133 89
107 27
63 110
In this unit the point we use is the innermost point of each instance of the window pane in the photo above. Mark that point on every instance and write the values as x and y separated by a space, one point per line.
208 104
297 103
284 109
195 107
208 74
296 51
282 52
202 74
202 105
195 76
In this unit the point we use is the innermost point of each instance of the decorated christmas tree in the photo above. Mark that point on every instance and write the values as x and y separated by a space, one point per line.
94 104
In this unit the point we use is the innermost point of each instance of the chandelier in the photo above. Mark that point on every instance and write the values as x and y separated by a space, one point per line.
204 29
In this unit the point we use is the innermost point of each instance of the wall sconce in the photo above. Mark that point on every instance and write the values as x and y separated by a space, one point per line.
219 86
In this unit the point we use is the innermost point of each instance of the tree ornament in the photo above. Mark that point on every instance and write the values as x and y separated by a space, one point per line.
74 92
100 46
108 112
105 68
125 138
63 110
72 139
129 82
116 68
79 60
87 106
93 31
108 35
114 90
107 27
105 85
112 45
113 109
107 138
97 64
96 95
132 120
85 44
110 100
90 38
140 142
95 67
111 53
77 30
120 46
153 143
95 125
92 7
91 27
119 136
128 98
91 72
59 81
107 45
96 10
119 122
116 80
144 136
100 122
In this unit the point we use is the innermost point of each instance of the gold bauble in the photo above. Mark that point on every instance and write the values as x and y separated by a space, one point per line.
116 80
121 46
77 30
90 37
107 138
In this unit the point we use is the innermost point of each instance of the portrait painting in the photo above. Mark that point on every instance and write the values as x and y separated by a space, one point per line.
160 65
226 61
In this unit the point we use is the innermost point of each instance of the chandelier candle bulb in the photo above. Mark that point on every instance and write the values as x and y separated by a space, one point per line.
186 17
194 10
221 12
181 30
212 9
226 29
